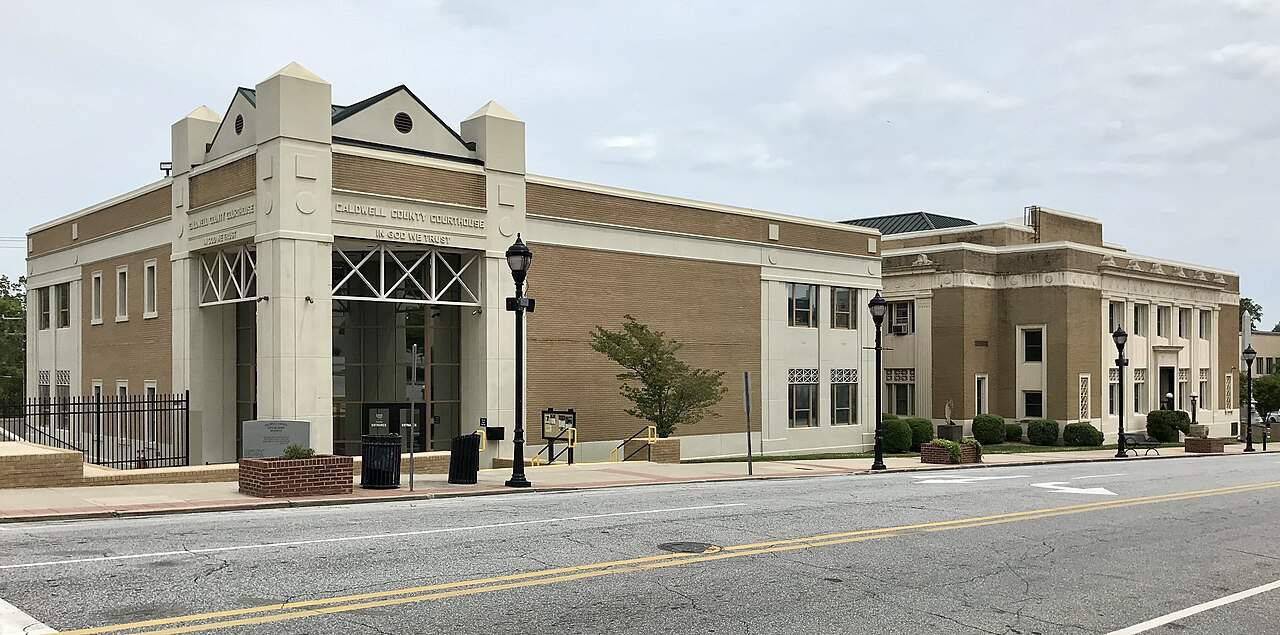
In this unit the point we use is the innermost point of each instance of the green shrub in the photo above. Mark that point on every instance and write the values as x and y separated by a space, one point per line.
1013 432
921 432
1081 434
953 448
1042 432
1164 425
988 429
296 451
887 416
897 436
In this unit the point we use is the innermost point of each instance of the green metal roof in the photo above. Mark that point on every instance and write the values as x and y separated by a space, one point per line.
909 222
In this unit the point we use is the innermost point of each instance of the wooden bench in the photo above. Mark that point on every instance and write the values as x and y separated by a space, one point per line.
1133 441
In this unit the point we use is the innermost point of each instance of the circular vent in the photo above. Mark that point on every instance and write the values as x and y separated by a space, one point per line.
404 123
239 124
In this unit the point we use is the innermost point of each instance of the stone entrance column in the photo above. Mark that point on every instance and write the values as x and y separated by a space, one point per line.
294 243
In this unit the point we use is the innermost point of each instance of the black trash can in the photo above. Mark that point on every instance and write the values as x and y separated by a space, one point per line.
464 459
380 461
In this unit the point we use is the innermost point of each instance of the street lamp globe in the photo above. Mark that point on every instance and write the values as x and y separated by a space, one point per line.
1249 355
1120 337
878 308
519 258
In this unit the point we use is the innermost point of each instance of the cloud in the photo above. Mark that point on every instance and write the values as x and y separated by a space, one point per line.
753 155
1249 59
632 149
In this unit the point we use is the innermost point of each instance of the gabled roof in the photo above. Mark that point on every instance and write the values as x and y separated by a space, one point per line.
339 115
909 222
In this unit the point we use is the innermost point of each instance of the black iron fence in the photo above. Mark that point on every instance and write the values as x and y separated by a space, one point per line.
124 432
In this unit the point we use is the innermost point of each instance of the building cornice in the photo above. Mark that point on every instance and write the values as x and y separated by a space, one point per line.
146 189
963 229
684 202
1053 246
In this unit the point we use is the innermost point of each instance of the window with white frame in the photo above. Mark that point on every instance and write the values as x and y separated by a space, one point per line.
95 298
1140 391
122 293
802 397
1032 404
900 386
802 302
1033 345
1205 403
1113 392
1184 323
42 302
63 293
1184 388
1115 316
1162 321
902 317
96 390
844 396
844 315
149 386
149 289
1140 320
980 394
1206 324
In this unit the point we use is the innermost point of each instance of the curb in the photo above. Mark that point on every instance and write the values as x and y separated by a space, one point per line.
324 502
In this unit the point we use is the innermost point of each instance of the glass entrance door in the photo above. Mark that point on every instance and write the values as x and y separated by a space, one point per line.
395 418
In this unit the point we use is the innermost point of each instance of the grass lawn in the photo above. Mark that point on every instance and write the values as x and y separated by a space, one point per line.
1001 448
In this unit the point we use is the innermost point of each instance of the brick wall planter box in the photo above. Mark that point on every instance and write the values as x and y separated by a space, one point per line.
1192 444
951 432
930 453
664 451
287 478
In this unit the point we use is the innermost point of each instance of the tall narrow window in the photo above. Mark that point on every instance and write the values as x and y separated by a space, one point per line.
1115 316
802 397
801 303
1184 323
95 298
122 293
844 396
1206 324
900 386
64 304
1113 392
1206 399
1162 321
902 317
1032 404
42 299
149 289
980 394
1033 345
1140 391
1140 320
843 315
150 387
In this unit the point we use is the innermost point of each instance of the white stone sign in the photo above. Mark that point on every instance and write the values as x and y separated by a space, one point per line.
269 438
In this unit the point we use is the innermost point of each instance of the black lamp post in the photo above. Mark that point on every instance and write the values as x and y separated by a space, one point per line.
878 307
519 258
1248 356
1120 337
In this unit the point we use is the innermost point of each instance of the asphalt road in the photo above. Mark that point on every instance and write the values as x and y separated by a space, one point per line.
1001 550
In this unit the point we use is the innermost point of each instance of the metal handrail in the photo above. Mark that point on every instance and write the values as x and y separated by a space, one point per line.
572 444
651 437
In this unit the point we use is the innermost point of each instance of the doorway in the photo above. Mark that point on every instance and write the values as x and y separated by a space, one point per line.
1167 374
389 418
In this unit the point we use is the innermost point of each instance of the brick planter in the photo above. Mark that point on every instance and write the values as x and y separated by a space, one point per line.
280 478
1193 444
930 453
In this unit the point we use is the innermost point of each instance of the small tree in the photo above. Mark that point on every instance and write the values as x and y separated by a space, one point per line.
1247 305
1266 391
13 338
664 390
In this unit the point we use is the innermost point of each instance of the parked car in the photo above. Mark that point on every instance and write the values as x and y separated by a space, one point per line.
1257 416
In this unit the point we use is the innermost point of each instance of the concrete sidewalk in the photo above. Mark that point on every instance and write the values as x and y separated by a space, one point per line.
53 503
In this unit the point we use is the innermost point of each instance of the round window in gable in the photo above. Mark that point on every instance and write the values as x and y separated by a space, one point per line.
239 124
404 123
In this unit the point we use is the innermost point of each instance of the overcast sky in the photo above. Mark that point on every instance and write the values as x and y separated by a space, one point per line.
1160 118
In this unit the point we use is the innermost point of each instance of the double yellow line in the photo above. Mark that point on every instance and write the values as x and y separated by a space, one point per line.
271 613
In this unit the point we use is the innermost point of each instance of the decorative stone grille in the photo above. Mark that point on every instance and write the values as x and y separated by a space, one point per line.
802 376
1086 397
1228 386
1140 375
900 375
844 375
1113 375
64 377
1204 374
44 378
1184 374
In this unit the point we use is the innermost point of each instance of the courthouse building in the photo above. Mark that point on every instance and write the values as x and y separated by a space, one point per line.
298 250
1016 319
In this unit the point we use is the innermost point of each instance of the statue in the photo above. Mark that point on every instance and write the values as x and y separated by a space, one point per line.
947 413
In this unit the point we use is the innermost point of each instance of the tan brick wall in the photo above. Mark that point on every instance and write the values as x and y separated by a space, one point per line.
560 202
25 465
139 349
377 176
994 237
281 478
1055 227
1229 354
962 319
664 451
1072 318
224 182
123 215
713 308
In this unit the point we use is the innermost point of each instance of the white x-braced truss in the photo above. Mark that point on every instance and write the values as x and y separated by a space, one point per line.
229 275
425 277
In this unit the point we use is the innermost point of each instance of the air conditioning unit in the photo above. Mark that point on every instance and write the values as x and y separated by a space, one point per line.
898 329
